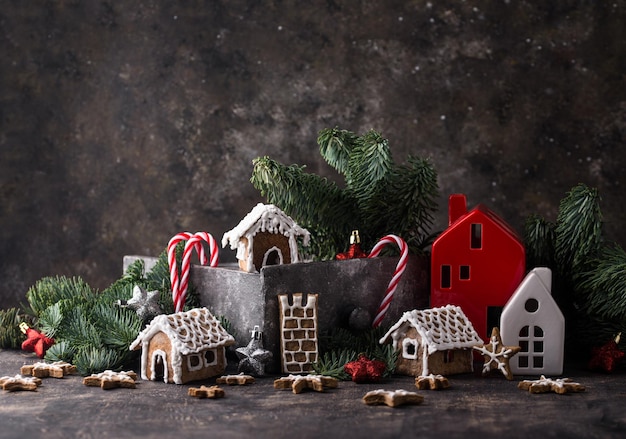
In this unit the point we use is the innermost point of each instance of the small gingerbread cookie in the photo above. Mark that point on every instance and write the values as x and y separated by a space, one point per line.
298 383
431 382
497 355
393 398
111 380
544 385
232 380
58 369
18 382
203 392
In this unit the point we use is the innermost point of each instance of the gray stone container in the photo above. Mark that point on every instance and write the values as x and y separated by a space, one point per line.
349 294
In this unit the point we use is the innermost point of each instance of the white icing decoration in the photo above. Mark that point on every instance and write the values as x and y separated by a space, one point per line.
264 218
189 332
494 357
440 329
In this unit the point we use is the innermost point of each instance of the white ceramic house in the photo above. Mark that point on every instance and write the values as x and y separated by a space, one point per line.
532 320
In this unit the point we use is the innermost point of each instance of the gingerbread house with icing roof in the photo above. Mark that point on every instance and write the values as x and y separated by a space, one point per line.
182 347
265 236
433 341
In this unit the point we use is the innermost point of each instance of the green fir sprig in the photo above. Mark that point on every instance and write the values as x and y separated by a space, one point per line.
379 197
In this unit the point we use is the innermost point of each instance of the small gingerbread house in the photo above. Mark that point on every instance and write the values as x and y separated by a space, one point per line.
265 236
182 347
433 341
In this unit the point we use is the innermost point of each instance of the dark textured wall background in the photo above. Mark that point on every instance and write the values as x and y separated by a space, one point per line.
123 123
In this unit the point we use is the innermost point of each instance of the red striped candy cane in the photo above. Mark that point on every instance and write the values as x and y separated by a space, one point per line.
194 242
393 284
171 259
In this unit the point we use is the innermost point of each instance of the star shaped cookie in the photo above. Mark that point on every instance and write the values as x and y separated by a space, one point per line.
392 398
543 385
497 355
431 382
298 383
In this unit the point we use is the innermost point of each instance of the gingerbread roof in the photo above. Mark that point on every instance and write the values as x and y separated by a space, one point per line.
265 218
441 328
189 331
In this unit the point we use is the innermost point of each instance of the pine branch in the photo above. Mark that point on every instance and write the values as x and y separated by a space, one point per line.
91 360
578 229
50 290
336 146
604 285
539 239
332 363
60 351
11 337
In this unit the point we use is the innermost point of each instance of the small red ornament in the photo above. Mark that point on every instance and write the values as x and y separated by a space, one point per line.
355 251
605 357
35 341
364 370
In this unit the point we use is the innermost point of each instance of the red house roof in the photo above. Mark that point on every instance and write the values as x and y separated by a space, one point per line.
476 263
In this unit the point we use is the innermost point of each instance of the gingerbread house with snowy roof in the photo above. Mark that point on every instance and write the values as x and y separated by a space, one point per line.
265 236
182 347
433 341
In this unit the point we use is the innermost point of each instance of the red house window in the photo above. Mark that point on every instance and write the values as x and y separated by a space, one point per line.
445 276
476 240
464 272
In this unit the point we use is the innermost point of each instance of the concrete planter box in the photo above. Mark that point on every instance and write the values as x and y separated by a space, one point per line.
249 299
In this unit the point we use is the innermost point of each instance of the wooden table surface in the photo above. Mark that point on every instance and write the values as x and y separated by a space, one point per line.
473 406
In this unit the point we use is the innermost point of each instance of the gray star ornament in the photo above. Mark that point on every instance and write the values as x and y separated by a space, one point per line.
145 303
253 358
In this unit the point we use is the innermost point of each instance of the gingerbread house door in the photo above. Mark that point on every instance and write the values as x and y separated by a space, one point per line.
273 256
158 366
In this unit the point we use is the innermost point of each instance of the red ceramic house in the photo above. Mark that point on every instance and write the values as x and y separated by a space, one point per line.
476 263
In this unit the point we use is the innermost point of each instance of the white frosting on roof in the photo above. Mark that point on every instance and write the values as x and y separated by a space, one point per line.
189 331
441 328
265 218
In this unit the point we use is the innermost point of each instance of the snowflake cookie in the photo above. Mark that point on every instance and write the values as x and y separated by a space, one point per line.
231 380
18 382
544 385
392 398
497 355
58 369
203 392
111 380
298 383
431 382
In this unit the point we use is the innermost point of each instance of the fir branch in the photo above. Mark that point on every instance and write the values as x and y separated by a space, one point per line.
50 290
578 229
119 326
61 351
79 331
332 363
11 337
604 285
91 360
539 239
51 319
336 146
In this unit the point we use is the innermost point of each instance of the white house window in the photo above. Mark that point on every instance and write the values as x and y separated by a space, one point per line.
194 362
409 348
532 347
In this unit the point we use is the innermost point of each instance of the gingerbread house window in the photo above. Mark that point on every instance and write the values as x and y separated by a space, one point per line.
194 362
409 348
210 358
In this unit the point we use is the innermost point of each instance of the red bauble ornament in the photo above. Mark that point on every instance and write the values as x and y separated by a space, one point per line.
364 370
355 250
606 357
35 341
